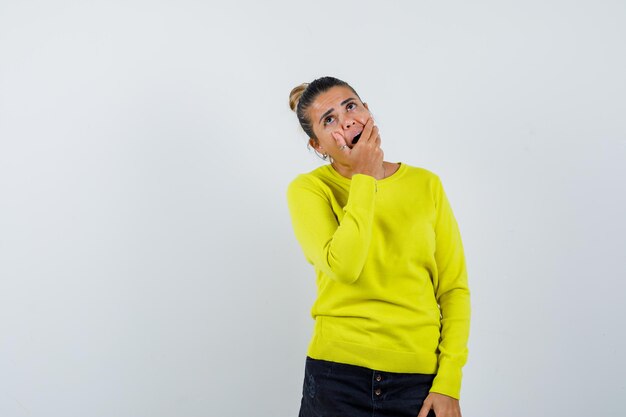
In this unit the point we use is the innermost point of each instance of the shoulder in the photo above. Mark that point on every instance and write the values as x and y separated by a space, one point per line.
309 182
309 178
421 175
420 171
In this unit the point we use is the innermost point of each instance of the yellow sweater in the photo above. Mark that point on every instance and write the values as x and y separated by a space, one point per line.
391 277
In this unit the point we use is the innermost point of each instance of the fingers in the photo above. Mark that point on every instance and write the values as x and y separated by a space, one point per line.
377 140
425 408
366 135
370 133
375 136
442 406
341 142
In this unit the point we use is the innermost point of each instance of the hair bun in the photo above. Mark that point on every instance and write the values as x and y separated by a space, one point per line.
296 93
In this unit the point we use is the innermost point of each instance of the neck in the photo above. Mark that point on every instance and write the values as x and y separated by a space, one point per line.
347 171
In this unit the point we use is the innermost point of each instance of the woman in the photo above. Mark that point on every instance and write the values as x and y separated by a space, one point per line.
392 309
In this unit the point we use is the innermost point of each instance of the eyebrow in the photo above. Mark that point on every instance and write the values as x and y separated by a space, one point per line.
346 101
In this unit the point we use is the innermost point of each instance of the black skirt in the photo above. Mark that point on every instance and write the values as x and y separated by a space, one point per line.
334 389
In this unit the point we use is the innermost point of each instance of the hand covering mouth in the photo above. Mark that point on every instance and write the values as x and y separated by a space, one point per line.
356 138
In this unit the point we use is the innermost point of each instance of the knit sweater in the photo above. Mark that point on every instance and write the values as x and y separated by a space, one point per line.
392 291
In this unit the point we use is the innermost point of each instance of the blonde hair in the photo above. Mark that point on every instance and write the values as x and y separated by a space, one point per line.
294 96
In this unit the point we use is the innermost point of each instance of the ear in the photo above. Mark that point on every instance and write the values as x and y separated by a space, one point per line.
365 105
315 145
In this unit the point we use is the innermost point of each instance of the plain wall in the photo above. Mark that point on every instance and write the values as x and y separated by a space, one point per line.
147 262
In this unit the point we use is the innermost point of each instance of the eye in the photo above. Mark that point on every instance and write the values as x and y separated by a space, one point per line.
328 120
351 106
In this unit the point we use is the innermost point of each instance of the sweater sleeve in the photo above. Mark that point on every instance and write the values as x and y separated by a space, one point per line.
338 249
453 296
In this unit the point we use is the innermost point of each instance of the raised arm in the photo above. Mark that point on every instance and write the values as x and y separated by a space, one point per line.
337 248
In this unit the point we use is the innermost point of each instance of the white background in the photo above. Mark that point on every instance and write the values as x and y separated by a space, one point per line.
147 262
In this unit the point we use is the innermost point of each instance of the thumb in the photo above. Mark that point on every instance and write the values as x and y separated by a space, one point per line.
425 408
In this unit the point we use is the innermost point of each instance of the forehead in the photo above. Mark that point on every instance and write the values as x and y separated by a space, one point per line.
330 99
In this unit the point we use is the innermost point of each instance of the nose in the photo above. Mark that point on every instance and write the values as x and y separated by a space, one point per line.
347 124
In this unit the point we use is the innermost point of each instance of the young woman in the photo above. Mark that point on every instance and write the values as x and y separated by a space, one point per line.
392 310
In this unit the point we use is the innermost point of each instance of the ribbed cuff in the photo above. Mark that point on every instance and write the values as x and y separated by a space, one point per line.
448 381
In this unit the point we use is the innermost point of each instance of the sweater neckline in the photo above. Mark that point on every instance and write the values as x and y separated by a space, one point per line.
399 172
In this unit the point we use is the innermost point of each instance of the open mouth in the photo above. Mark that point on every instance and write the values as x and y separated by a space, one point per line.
356 138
